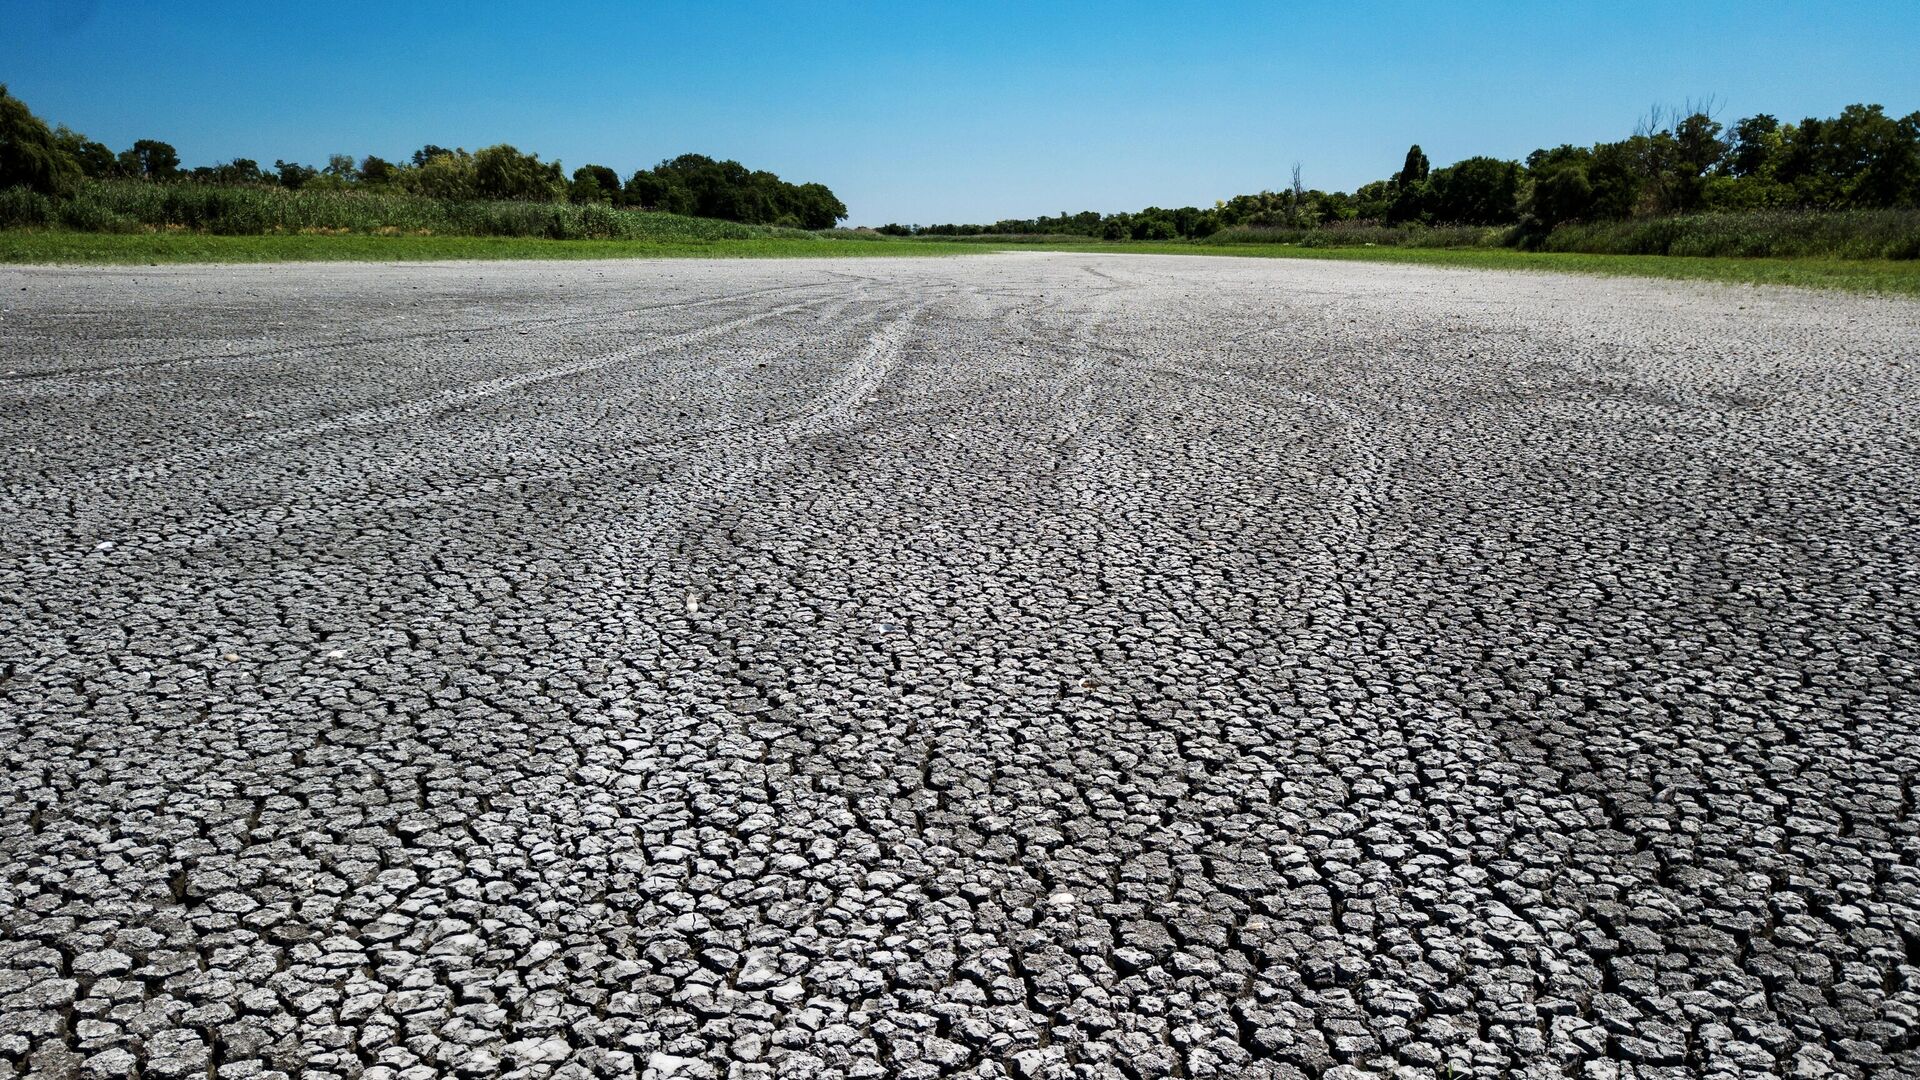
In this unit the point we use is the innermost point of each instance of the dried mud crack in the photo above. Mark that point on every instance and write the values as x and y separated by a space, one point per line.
1016 666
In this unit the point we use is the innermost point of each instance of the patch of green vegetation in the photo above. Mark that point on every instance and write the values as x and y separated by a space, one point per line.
128 206
60 246
54 246
1854 275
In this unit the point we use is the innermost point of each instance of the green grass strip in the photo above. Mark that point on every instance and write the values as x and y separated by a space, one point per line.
57 246
1853 275
54 246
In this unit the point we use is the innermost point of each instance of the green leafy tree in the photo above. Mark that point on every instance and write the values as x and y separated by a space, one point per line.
293 175
1373 201
445 175
502 172
1409 203
378 170
150 159
30 157
648 190
238 171
699 185
817 206
96 162
1415 169
1755 145
1560 193
1557 188
1861 158
1477 191
1697 149
1615 180
594 183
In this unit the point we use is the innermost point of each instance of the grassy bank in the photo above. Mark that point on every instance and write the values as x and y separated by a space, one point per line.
1760 234
1899 277
55 246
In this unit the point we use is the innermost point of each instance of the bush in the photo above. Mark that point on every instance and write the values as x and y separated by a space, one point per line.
83 215
502 172
1364 234
1843 234
120 205
24 208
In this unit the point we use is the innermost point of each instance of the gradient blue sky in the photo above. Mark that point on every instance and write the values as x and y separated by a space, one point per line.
924 112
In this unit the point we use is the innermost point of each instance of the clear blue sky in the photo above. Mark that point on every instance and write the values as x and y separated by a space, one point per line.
925 112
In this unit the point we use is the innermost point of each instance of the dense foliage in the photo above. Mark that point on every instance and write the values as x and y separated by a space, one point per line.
127 206
1679 163
53 163
30 154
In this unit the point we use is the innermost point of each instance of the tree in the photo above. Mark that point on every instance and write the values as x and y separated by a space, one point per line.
238 171
1477 191
1297 214
1863 157
150 159
1409 203
341 167
1414 170
1756 142
96 162
698 185
1152 226
818 207
1558 189
1697 148
645 189
377 170
1373 201
594 183
429 152
1615 182
29 155
293 175
502 172
445 175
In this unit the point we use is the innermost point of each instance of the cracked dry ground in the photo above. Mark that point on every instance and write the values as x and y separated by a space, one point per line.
1024 665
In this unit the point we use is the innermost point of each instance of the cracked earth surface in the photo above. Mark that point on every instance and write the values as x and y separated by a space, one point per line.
1024 665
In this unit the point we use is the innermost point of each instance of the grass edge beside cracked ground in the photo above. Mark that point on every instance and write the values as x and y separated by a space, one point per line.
1852 275
53 246
57 247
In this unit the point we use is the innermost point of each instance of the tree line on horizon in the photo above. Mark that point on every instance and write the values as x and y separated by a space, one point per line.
1678 161
55 161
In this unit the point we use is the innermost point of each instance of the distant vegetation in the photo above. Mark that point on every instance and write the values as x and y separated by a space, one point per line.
58 177
1803 195
1846 186
108 206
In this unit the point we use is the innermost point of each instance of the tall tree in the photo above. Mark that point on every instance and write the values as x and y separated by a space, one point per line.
29 156
594 183
94 159
502 172
150 159
1415 169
